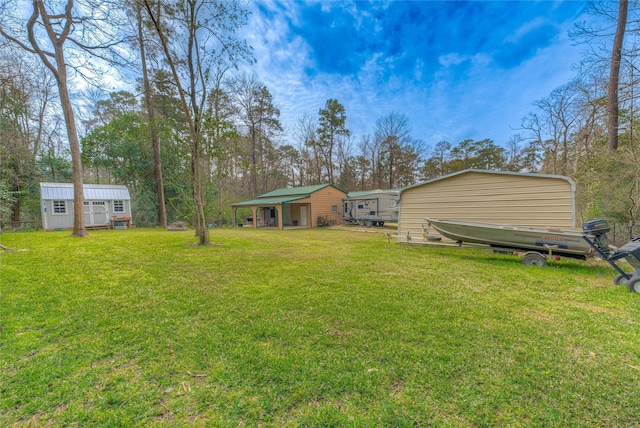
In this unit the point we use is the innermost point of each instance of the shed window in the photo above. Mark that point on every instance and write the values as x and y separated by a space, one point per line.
334 208
59 207
118 206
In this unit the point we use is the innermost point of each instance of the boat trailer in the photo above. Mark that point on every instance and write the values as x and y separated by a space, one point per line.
536 253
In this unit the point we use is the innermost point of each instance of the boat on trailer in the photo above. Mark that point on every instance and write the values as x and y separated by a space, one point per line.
540 243
537 243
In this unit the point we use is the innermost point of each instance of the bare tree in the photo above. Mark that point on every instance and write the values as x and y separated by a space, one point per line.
606 50
346 163
332 127
441 155
305 135
259 116
614 76
397 151
26 92
555 123
222 135
202 30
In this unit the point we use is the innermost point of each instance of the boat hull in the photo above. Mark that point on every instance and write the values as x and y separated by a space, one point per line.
562 242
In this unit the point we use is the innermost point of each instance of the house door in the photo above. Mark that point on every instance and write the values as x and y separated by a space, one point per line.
303 215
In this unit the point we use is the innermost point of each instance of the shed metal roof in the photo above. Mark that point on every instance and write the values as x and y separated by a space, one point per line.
64 191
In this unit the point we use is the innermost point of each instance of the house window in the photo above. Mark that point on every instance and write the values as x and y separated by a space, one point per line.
334 208
118 206
59 207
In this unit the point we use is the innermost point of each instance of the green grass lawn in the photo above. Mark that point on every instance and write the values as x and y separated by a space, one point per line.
307 328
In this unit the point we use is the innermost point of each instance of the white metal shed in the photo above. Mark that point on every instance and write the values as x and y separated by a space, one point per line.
104 204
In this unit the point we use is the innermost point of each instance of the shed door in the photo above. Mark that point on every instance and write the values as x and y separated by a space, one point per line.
99 213
303 215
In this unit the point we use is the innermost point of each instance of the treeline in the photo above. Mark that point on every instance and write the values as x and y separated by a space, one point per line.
220 136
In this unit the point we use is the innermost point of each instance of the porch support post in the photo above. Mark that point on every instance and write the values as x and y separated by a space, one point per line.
233 216
279 214
254 210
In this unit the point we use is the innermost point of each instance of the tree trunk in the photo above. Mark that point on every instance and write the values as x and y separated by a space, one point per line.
614 76
155 139
76 162
201 224
59 70
254 164
74 143
193 120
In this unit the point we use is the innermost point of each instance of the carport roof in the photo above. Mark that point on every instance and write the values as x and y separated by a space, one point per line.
269 201
486 171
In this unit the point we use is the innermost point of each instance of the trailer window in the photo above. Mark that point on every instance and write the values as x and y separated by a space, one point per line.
118 206
59 207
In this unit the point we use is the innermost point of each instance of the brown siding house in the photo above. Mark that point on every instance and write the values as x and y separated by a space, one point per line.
295 207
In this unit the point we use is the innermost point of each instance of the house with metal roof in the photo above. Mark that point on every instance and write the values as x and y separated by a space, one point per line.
307 206
105 206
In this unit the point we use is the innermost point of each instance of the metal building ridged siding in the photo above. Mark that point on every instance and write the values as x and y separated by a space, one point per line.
534 200
102 192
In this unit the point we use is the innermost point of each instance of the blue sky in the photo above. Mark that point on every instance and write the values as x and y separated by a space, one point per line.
457 70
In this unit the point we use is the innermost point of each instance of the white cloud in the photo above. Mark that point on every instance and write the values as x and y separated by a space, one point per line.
452 59
526 28
465 96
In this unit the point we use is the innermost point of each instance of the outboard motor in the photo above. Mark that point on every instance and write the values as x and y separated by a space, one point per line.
594 232
598 230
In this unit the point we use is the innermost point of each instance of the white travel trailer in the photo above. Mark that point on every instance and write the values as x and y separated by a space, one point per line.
105 206
371 208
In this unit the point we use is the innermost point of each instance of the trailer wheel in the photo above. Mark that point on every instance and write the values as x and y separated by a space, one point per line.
361 222
368 223
620 279
381 223
534 259
634 285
